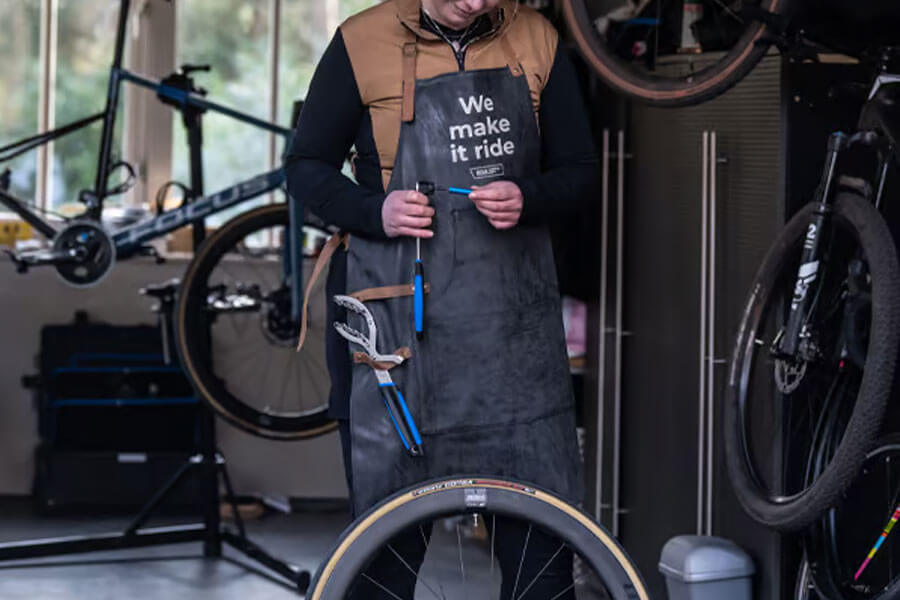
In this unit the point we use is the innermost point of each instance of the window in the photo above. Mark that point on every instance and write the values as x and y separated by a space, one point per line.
84 53
262 53
19 87
233 37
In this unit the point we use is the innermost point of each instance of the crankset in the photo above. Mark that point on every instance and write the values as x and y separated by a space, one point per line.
82 253
92 252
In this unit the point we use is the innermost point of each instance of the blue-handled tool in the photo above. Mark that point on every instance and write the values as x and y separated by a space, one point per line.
402 419
427 188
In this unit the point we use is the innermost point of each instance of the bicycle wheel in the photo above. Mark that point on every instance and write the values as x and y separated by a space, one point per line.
236 336
840 544
779 411
636 47
464 515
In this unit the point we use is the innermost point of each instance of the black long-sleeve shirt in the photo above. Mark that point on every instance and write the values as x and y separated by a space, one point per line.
334 119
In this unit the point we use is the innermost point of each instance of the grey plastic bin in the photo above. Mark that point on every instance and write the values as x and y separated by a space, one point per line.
706 568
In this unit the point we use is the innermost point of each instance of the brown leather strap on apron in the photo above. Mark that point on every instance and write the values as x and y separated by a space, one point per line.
324 257
387 291
512 60
364 295
407 111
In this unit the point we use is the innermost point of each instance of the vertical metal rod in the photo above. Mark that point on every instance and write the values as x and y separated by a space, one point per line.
274 89
711 330
601 350
617 398
49 32
704 224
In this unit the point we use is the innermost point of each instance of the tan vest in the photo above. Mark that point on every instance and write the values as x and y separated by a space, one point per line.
374 40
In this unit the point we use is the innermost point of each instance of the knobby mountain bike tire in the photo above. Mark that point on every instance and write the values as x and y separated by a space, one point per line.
862 409
485 496
652 86
235 336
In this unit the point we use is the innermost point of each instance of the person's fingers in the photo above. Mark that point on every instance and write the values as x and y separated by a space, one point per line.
412 232
498 224
489 193
416 222
496 190
417 210
499 205
414 197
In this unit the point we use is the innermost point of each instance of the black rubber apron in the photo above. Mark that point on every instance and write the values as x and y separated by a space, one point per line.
489 385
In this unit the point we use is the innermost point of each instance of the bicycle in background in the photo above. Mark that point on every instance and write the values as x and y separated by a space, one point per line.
239 304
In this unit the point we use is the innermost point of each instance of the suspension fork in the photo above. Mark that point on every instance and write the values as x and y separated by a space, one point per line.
812 252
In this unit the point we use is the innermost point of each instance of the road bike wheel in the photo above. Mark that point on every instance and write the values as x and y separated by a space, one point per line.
463 516
235 333
839 544
635 48
778 411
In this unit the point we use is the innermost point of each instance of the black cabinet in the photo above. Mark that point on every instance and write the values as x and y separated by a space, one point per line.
694 196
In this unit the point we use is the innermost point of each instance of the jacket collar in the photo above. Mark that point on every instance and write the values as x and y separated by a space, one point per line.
408 13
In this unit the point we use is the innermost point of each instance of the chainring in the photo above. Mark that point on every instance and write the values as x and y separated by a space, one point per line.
92 251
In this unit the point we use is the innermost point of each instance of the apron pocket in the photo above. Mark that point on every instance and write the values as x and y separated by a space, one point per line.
512 267
496 368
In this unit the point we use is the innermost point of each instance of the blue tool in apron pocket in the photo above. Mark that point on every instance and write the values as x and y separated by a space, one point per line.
403 421
427 188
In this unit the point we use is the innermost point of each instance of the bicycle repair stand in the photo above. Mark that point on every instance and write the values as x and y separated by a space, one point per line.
208 460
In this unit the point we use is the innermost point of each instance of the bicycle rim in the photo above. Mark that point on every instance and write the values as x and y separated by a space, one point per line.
236 337
841 543
825 389
639 53
479 536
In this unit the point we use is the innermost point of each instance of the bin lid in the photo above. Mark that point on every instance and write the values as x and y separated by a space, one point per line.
695 558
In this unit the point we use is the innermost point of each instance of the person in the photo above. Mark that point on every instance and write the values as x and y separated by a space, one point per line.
472 94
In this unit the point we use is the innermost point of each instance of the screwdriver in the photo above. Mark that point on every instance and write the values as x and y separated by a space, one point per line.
427 188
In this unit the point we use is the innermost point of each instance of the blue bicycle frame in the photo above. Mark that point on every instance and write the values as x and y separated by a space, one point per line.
131 240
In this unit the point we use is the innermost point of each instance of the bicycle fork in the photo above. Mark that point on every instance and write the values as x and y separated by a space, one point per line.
789 342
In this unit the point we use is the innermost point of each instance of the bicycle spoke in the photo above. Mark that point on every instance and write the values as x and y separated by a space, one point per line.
569 587
541 572
462 567
493 536
413 571
381 587
286 379
424 537
522 560
730 12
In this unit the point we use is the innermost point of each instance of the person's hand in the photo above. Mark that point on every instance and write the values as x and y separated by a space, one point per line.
406 212
499 201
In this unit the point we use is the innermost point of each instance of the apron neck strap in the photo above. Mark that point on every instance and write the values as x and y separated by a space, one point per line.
407 112
515 67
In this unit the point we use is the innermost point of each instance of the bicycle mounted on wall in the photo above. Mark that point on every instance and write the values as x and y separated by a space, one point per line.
814 362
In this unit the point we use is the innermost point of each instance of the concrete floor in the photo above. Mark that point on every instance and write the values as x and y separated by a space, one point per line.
181 572
174 572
